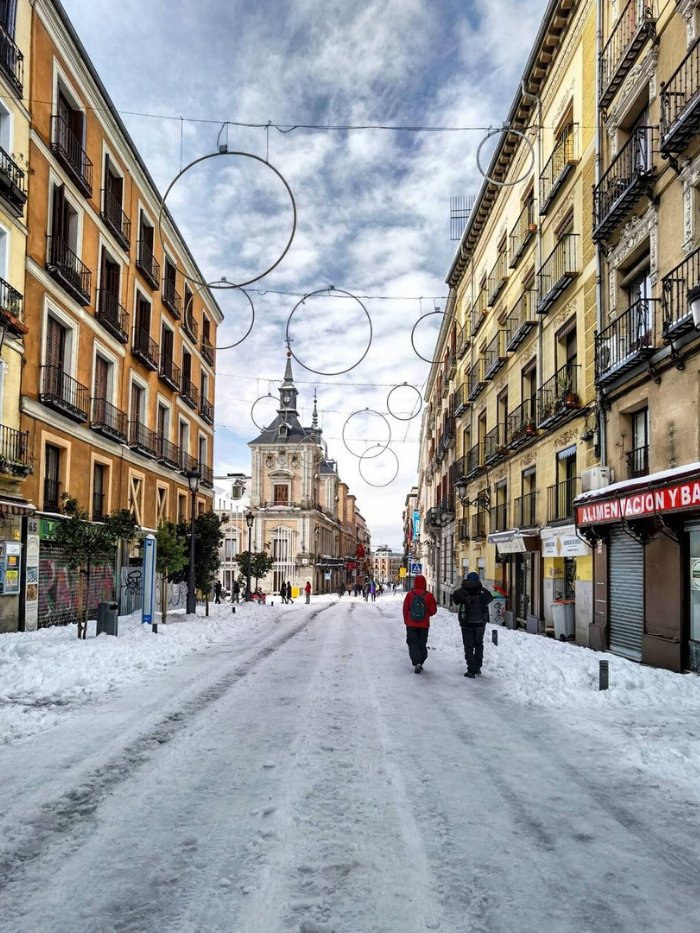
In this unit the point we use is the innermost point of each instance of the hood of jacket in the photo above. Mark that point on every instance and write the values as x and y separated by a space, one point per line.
419 583
472 585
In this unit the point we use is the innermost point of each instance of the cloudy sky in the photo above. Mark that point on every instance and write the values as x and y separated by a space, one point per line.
373 205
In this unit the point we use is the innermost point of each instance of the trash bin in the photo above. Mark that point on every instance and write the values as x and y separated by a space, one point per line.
107 618
564 618
497 612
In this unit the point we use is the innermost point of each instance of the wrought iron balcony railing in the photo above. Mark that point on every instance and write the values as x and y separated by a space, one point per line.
478 312
680 104
521 423
170 372
70 153
168 454
207 350
677 317
464 530
12 183
206 475
459 468
479 526
498 517
475 380
206 410
11 60
559 166
98 506
14 445
108 420
172 299
115 218
496 445
558 271
65 394
498 277
190 325
64 266
11 301
629 177
461 401
635 24
142 439
525 511
145 349
447 508
630 338
558 396
188 463
638 462
112 315
189 393
560 500
523 231
495 355
475 461
521 320
147 265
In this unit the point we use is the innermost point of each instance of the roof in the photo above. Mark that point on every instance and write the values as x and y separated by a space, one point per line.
296 434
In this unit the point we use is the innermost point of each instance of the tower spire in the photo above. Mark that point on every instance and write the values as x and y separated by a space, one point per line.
288 391
314 420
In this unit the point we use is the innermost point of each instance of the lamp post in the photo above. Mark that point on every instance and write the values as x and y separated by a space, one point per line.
249 520
193 482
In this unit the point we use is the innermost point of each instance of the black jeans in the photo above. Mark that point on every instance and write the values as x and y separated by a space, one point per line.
473 639
417 641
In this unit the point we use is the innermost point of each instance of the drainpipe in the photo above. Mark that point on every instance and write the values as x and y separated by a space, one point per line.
602 439
538 168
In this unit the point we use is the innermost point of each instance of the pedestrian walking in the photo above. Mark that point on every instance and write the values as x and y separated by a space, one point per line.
373 590
217 592
289 593
341 590
283 593
418 606
365 591
236 591
307 592
472 601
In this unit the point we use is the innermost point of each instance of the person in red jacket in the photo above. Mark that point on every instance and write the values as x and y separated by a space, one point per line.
418 606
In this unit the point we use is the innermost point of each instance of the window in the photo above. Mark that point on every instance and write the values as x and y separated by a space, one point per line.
98 491
637 285
236 491
186 368
70 116
146 233
163 421
280 494
206 329
230 548
8 12
64 224
52 461
5 127
142 321
184 437
137 406
202 451
113 195
55 344
102 390
280 550
110 275
638 457
567 346
161 505
181 507
169 281
167 342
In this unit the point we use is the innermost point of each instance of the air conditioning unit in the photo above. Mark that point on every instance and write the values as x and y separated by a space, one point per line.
596 478
608 355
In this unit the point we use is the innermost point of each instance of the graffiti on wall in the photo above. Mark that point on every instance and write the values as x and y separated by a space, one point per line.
58 590
131 597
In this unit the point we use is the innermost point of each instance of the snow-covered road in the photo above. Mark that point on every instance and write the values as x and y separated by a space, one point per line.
300 777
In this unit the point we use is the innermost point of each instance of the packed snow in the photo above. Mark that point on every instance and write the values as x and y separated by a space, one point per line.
283 769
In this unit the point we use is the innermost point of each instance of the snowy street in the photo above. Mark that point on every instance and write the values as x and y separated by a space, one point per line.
294 774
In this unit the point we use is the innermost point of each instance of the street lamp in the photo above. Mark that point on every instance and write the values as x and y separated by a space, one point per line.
193 482
249 520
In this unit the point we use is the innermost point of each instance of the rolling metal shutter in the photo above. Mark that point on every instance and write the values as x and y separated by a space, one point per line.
626 588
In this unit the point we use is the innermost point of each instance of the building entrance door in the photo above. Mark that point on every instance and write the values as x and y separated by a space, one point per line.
523 586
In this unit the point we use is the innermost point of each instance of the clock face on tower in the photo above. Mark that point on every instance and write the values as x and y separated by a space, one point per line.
287 399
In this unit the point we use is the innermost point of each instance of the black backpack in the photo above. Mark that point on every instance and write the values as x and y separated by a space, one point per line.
418 610
472 607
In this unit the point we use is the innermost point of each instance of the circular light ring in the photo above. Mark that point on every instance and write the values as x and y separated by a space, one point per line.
413 334
524 176
223 284
321 291
301 447
363 411
407 386
252 410
244 155
380 485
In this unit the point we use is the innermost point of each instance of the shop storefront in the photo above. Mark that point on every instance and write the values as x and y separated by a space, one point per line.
568 576
519 557
646 539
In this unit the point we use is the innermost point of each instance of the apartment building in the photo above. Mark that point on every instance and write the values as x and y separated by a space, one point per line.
118 382
231 503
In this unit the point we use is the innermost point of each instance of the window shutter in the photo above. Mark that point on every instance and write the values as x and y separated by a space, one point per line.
55 343
135 402
58 218
101 378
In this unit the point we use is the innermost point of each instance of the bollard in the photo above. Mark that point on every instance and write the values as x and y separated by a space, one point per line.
233 609
494 636
272 603
154 628
604 675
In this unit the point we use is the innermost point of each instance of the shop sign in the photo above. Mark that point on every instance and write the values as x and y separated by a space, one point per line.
402 571
695 573
416 525
508 544
564 545
673 498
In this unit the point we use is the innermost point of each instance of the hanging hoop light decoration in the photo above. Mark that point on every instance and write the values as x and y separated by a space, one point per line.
252 410
302 450
242 155
222 285
419 321
405 385
322 291
509 131
396 471
365 411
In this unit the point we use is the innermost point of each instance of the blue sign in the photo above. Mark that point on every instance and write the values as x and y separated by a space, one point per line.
416 524
416 568
149 579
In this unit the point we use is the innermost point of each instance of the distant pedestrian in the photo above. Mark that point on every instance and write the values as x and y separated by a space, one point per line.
283 593
365 591
236 591
289 592
373 590
418 606
341 590
473 609
217 592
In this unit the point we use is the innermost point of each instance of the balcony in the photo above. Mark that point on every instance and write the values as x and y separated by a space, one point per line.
495 445
11 60
52 495
206 475
680 104
478 312
145 349
190 325
433 517
108 420
495 355
677 318
560 500
475 461
115 219
629 177
460 403
207 350
498 517
188 463
479 526
63 393
64 266
143 440
638 462
625 342
498 278
13 187
558 271
69 151
147 265
463 532
521 424
558 397
111 315
447 508
523 231
189 393
559 166
463 342
521 320
206 410
475 381
525 511
98 506
14 451
12 307
168 454
636 23
172 299
170 373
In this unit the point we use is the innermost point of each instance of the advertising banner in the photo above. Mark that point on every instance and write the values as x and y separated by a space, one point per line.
641 505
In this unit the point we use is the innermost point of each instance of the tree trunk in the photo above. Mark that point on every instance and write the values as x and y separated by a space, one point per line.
206 605
164 598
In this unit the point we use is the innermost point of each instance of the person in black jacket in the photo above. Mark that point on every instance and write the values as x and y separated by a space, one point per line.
472 601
